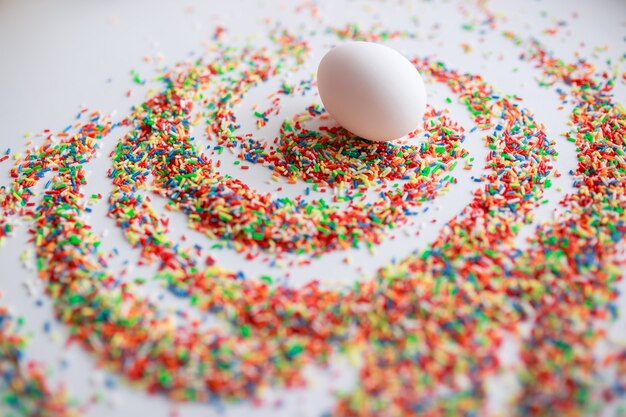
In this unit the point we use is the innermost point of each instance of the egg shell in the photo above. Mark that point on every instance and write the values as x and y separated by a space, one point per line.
371 90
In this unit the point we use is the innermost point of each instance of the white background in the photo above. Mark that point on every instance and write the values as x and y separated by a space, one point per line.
57 56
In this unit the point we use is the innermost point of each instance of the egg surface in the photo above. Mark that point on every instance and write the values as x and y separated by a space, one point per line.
371 90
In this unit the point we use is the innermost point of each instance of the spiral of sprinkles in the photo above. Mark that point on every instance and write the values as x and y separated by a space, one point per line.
425 333
222 207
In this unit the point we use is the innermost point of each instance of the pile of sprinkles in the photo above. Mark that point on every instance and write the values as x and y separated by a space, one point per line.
24 386
160 147
426 330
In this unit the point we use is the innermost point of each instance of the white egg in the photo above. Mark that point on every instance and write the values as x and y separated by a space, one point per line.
371 90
